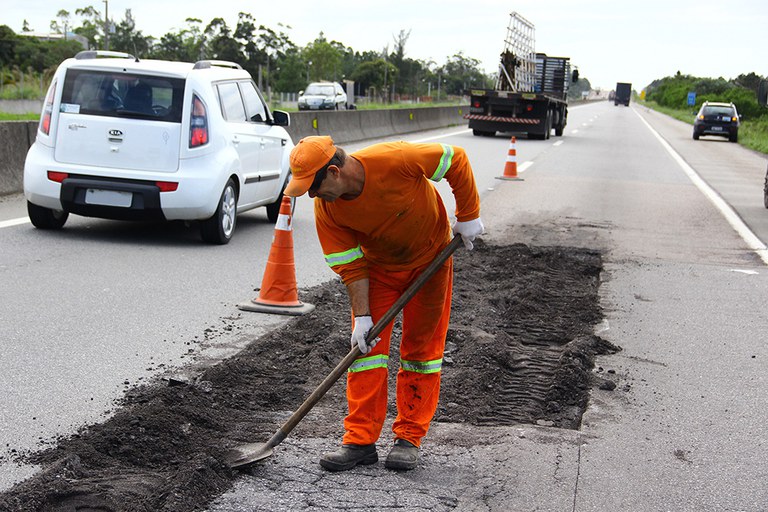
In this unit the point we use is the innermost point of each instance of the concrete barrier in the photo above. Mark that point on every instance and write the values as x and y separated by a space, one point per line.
404 120
21 106
16 140
344 126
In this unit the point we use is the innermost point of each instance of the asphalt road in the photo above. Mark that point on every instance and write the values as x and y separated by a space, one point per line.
103 305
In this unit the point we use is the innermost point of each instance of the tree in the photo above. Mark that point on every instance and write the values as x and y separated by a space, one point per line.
91 26
61 23
186 45
461 73
8 39
376 74
323 59
221 44
127 39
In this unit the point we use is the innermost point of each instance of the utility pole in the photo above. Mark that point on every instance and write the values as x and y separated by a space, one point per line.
106 24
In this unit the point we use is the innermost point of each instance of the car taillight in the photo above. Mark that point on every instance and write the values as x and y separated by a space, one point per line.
529 108
45 120
198 124
167 186
476 104
58 177
734 119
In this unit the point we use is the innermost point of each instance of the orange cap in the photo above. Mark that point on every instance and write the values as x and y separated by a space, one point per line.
308 156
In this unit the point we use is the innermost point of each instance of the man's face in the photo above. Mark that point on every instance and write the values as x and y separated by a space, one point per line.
329 188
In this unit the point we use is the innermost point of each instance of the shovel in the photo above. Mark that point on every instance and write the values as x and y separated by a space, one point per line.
247 454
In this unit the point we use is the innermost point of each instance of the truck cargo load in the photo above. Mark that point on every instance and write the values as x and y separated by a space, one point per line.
623 92
531 91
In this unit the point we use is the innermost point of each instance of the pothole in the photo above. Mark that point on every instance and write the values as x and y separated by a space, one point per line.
520 349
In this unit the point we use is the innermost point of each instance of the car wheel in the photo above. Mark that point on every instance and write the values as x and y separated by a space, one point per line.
765 190
695 136
273 209
734 137
221 226
46 218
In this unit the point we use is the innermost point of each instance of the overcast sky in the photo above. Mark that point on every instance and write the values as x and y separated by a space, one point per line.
608 41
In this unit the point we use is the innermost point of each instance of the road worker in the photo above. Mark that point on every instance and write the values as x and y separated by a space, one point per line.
380 222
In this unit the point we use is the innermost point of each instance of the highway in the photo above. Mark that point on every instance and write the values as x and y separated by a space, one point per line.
101 305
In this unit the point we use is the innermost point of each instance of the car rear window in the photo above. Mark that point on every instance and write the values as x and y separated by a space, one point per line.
111 94
718 111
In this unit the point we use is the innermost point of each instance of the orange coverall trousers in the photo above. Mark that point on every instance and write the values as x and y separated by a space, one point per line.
425 325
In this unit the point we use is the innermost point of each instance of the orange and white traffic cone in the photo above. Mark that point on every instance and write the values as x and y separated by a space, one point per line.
278 293
510 167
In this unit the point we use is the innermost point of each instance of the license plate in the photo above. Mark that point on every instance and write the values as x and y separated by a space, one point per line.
108 197
717 128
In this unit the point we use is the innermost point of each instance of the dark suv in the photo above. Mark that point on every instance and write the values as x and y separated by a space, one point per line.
720 119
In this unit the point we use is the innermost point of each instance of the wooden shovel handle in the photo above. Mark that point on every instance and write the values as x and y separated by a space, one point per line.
354 353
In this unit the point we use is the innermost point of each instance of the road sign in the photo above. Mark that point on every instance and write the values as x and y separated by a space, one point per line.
691 99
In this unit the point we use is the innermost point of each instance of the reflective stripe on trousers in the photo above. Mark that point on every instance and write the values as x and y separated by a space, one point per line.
425 325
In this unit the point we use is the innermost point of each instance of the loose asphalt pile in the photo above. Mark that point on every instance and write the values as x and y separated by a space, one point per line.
520 349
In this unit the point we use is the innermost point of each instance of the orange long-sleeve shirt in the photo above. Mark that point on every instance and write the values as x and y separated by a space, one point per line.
399 221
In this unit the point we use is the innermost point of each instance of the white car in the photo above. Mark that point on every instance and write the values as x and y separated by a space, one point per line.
125 139
322 96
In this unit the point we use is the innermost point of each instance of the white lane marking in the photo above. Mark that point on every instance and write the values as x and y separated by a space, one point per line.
752 241
443 136
558 143
13 222
743 271
574 131
523 166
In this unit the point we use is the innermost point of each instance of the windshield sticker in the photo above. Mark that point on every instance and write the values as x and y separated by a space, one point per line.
70 108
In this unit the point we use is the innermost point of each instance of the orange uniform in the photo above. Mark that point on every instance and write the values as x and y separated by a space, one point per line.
389 234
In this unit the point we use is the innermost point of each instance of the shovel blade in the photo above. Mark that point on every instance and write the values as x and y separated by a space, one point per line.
246 454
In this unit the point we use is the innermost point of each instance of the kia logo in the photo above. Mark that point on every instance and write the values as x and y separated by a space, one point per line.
116 133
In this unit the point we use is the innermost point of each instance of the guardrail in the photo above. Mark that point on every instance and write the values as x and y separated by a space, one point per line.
344 126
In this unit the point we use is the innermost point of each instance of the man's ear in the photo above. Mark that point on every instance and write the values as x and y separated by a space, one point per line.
334 169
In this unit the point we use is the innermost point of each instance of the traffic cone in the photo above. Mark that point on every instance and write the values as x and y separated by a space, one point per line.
278 293
510 167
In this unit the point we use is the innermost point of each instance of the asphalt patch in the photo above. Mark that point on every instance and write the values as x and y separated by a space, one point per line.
520 349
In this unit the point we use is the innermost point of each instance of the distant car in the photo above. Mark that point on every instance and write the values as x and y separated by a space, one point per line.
323 96
720 119
125 139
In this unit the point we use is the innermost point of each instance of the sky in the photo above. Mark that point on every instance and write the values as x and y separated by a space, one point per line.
609 41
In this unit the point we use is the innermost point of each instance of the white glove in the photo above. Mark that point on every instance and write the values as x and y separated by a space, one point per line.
363 325
468 231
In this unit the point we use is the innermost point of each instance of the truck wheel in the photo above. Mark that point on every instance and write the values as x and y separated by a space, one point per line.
559 130
548 126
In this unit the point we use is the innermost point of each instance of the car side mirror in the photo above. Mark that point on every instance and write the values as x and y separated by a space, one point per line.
281 118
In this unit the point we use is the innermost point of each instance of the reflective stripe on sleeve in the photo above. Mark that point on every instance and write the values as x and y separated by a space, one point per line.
340 258
422 366
369 363
445 163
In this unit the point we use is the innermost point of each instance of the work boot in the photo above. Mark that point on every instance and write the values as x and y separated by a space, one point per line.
349 456
403 456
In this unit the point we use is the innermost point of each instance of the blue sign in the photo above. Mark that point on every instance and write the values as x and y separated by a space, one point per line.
691 99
